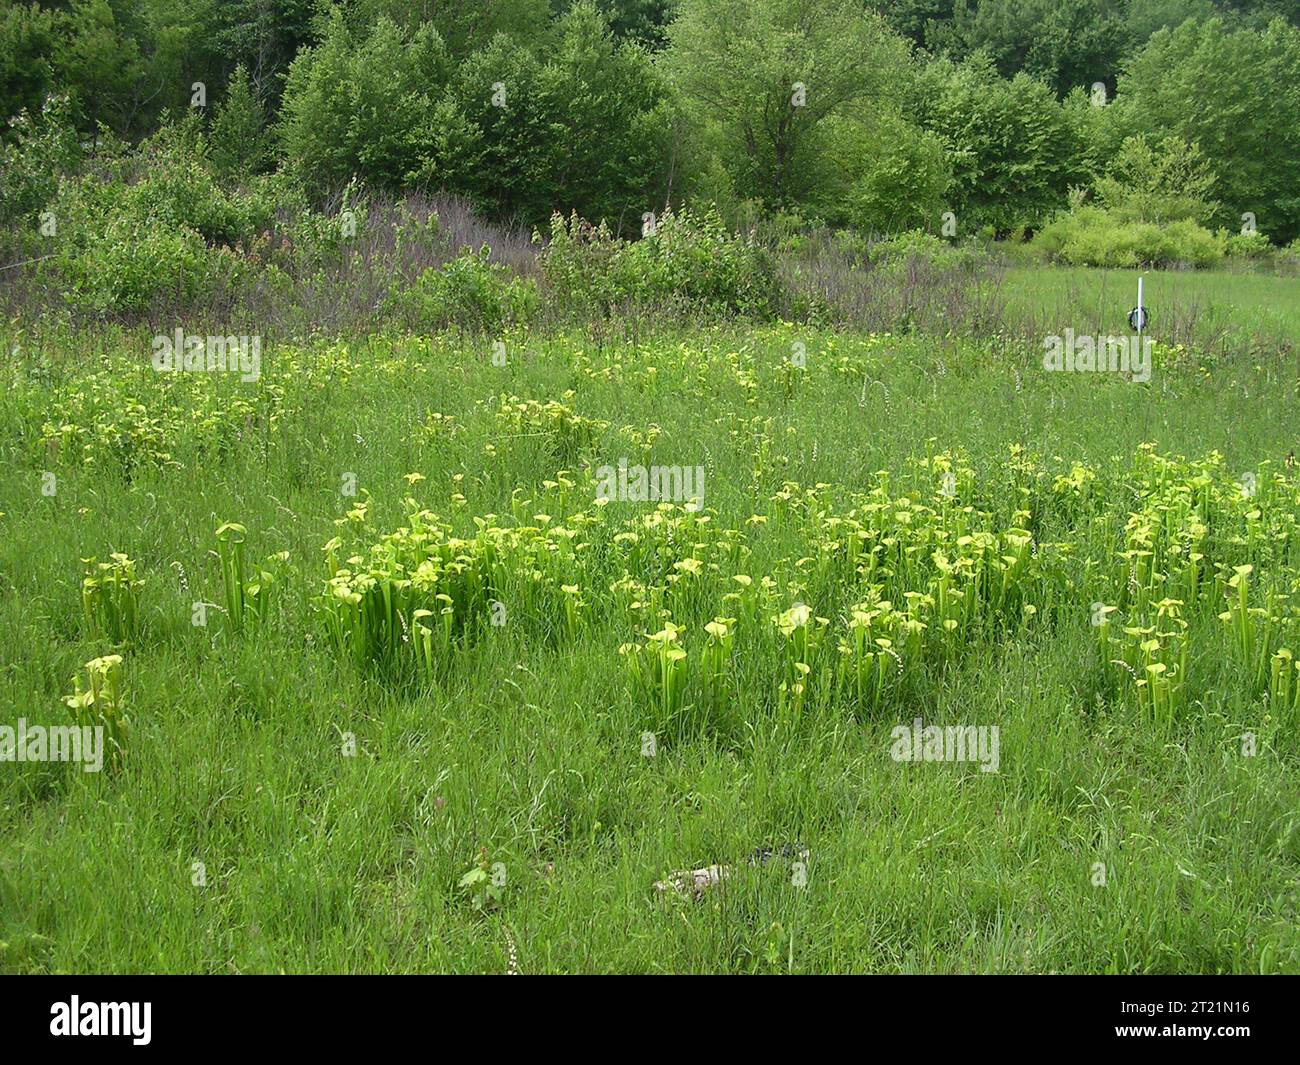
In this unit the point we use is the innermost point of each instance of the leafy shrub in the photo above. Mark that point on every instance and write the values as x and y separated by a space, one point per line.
238 130
141 229
578 265
882 176
1167 182
685 259
178 188
110 260
1252 245
1090 236
585 126
1251 142
916 244
1015 149
361 105
470 292
314 238
39 149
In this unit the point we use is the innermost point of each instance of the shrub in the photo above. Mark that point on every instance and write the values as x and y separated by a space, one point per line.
110 260
177 186
1250 142
578 266
140 229
1090 236
916 244
1253 245
1014 148
313 238
40 148
1167 182
470 292
239 129
883 175
685 259
359 105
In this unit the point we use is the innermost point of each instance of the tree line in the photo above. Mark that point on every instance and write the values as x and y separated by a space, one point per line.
952 116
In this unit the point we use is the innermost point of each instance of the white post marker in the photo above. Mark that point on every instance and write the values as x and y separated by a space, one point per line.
1137 317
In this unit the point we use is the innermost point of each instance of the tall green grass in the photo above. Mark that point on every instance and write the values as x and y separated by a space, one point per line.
286 803
1216 311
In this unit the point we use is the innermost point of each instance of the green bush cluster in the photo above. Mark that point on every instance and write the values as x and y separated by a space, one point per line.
470 293
823 108
1249 245
151 226
684 259
917 244
40 147
1091 236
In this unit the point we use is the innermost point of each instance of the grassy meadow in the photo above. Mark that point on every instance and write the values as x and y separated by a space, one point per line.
432 706
1221 311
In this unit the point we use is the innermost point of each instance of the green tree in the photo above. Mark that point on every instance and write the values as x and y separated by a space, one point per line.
1145 17
237 139
1235 93
1015 149
101 66
42 147
464 25
643 21
360 105
880 173
759 77
28 35
914 19
1166 182
263 36
1261 12
1067 43
582 129
125 62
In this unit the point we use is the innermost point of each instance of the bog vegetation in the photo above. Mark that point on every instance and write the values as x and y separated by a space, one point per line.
388 680
364 628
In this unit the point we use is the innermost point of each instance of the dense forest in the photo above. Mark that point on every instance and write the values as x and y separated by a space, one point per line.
992 115
143 135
